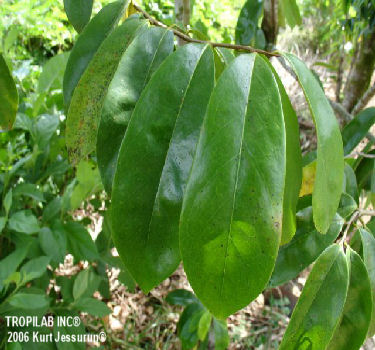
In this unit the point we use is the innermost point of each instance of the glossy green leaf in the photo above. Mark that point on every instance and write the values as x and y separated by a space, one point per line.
139 62
321 303
204 325
78 12
87 102
248 19
304 248
85 284
24 221
88 43
181 297
352 330
356 130
53 73
222 58
368 246
351 186
221 335
230 225
330 159
34 268
43 129
8 97
291 12
347 205
92 306
53 243
154 163
26 301
293 178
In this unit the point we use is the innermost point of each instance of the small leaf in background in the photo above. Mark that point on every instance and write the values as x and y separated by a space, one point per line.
9 264
52 209
347 205
8 97
308 179
155 159
188 324
34 268
3 221
355 321
92 306
321 303
24 221
28 190
221 334
181 297
291 12
88 183
304 248
80 243
330 156
53 243
231 220
140 60
88 43
248 19
43 129
29 301
357 128
8 201
351 186
85 284
66 284
53 72
78 12
204 325
87 101
368 247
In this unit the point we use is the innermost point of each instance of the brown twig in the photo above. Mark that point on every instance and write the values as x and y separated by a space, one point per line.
187 38
364 100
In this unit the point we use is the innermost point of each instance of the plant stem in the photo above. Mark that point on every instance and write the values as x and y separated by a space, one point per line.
187 38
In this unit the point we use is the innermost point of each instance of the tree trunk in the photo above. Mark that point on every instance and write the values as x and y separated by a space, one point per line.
360 74
270 24
182 13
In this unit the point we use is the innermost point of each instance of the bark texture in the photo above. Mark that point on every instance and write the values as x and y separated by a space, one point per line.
359 77
270 24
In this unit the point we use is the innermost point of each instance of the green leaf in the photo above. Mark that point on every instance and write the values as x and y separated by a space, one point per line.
88 43
8 97
204 325
139 62
293 178
52 209
9 264
330 159
231 218
347 205
92 306
26 301
181 297
351 186
304 248
80 243
321 303
88 183
66 285
34 268
3 221
248 19
352 330
364 172
222 58
43 129
8 201
78 12
53 243
356 130
85 284
155 160
221 334
88 98
188 324
24 221
368 246
291 12
53 73
29 190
